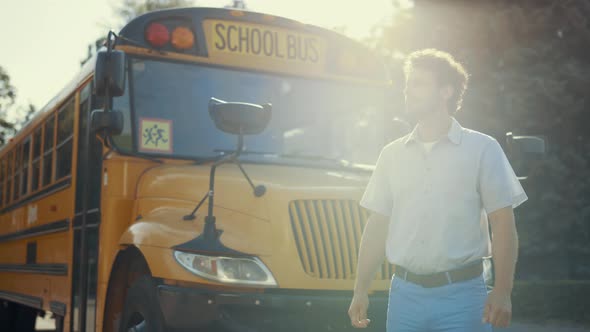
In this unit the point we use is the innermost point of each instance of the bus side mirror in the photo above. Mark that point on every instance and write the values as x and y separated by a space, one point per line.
524 151
239 118
527 147
109 73
112 121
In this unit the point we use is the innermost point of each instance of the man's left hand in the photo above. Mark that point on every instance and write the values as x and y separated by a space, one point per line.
498 308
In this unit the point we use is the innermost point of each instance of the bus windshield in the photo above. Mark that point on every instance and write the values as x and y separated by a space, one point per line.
310 117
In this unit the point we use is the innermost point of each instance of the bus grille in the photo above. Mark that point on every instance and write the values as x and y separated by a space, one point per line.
328 235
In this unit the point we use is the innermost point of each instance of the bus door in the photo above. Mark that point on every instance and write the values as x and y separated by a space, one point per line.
86 220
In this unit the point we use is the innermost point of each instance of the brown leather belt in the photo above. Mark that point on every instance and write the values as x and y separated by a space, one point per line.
441 278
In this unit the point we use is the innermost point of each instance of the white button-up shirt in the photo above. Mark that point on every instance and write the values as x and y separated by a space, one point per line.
438 201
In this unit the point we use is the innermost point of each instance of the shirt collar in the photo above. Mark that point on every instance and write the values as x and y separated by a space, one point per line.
454 135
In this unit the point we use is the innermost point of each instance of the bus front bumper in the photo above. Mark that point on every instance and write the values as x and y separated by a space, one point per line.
274 310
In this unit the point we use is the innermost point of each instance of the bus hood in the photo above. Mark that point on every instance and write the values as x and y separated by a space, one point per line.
190 183
167 193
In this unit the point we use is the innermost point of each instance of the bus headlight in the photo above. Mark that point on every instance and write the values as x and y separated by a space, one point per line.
240 271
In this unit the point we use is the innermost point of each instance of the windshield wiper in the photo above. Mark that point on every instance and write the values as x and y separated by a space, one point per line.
343 162
227 151
315 157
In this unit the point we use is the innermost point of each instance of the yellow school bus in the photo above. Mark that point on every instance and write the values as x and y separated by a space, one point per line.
202 172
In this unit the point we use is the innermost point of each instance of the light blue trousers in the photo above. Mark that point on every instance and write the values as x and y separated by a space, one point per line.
456 307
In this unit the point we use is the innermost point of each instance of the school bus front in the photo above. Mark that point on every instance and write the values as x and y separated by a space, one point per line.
292 250
287 223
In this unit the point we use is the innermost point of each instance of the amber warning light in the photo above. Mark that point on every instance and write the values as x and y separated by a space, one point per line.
183 38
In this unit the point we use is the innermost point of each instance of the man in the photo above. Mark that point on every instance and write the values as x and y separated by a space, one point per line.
432 195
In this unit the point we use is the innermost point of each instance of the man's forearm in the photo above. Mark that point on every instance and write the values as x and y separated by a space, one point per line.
371 252
504 248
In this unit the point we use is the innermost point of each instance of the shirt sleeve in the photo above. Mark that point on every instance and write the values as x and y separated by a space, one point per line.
377 196
499 186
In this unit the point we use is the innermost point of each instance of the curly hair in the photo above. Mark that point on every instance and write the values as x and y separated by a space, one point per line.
446 69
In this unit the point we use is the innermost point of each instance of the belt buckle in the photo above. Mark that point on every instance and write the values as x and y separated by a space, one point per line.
437 280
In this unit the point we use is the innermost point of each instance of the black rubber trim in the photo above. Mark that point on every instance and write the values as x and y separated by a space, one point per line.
57 308
61 185
273 310
31 301
92 218
52 269
32 252
53 227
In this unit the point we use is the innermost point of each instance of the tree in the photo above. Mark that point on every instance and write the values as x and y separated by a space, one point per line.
7 97
237 4
7 105
130 9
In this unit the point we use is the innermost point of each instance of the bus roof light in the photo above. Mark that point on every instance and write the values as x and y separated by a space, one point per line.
183 38
157 34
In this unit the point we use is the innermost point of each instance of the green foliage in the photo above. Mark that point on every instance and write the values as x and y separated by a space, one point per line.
7 104
7 91
7 96
530 73
130 9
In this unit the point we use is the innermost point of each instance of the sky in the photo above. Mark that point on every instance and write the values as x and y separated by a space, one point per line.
43 41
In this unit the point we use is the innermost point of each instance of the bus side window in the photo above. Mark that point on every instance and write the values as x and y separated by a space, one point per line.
36 159
25 169
65 135
7 197
48 150
17 172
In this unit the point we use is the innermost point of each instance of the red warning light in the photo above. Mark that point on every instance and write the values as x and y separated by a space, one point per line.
157 34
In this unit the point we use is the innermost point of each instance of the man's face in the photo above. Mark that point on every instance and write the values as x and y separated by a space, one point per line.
423 93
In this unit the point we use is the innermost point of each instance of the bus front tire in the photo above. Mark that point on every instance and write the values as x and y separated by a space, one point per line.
16 317
142 311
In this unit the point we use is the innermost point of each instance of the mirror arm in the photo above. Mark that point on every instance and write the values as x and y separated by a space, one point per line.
212 187
111 42
191 216
232 158
240 145
258 190
244 172
208 241
210 193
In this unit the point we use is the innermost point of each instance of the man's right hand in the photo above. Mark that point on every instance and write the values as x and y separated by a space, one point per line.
371 255
358 310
